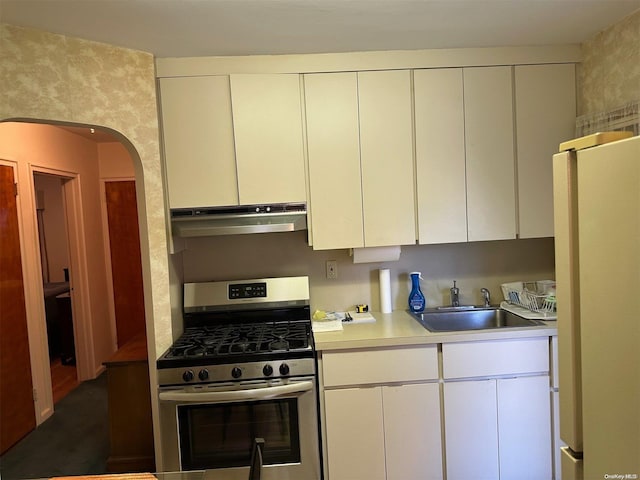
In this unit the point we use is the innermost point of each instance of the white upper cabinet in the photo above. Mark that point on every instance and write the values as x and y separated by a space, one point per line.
333 145
267 122
198 141
386 143
440 156
545 117
490 153
477 168
360 144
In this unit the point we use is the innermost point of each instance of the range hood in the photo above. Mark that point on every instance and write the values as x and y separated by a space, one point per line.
236 220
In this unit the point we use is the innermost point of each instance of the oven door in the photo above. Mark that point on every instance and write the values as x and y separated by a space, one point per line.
213 428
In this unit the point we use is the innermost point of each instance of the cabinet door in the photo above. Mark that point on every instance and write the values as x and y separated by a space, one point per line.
355 436
524 427
440 156
333 145
413 444
488 111
471 430
386 143
267 121
545 117
199 152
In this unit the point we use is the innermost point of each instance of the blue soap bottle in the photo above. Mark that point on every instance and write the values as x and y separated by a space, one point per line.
416 298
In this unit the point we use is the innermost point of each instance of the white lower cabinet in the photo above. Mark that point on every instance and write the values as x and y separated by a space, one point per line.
412 431
471 430
382 414
498 428
386 432
355 433
524 428
385 422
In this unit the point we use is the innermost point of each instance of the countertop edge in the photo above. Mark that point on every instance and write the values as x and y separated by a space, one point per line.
399 329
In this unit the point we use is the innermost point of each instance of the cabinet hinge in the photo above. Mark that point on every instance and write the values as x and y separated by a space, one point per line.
15 189
35 395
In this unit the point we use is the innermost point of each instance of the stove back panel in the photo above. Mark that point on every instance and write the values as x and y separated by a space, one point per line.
259 293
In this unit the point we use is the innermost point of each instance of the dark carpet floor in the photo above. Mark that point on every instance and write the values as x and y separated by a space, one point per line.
73 441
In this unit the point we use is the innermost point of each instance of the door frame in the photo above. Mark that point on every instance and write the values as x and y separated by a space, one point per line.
36 315
79 280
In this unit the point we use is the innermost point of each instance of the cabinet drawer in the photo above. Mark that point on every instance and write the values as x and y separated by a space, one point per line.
388 365
499 357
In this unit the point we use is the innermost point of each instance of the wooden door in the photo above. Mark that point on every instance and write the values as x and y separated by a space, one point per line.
17 411
126 264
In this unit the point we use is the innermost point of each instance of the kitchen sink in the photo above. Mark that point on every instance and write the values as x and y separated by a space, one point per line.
472 318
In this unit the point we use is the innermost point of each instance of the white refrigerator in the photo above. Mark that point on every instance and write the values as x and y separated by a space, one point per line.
597 246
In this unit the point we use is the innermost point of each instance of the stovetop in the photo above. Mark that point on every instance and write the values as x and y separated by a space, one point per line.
240 342
238 330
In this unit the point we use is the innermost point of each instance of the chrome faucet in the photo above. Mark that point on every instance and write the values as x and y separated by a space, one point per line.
455 295
486 296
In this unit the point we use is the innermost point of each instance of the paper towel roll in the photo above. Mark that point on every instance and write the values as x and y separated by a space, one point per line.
385 291
376 254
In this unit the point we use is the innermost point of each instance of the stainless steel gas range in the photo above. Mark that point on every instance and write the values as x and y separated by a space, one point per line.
244 369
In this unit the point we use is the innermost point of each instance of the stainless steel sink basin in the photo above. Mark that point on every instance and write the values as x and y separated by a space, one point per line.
474 318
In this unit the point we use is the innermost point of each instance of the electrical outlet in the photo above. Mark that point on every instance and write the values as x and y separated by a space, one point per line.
332 269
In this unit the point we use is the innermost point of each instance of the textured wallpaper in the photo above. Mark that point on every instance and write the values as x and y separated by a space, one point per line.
610 73
51 77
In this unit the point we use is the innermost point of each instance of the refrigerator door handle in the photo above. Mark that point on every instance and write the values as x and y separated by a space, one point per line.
572 464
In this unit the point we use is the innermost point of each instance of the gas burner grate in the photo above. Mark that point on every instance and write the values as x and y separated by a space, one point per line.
244 338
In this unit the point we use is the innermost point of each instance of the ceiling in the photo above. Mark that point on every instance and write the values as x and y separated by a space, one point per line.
186 28
94 134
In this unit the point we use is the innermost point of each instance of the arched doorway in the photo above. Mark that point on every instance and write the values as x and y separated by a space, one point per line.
89 242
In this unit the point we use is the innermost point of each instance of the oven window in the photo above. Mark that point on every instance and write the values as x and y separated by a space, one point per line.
219 436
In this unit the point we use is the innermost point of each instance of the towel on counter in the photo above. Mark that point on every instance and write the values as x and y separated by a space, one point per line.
326 321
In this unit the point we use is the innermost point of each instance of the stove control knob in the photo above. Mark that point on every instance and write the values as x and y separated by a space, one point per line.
203 374
267 370
284 369
187 376
236 372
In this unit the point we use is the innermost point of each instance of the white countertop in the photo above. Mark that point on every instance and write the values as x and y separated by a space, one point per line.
399 328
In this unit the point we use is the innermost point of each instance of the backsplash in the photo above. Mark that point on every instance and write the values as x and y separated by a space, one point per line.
472 265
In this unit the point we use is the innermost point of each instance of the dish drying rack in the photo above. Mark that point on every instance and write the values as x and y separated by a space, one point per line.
538 296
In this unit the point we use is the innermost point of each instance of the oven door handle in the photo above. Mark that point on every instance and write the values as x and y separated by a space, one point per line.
231 396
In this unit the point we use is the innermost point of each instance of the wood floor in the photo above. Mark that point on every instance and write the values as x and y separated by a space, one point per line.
64 379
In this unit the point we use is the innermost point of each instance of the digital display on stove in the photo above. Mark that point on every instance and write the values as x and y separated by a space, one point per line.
248 290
